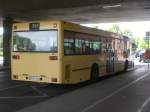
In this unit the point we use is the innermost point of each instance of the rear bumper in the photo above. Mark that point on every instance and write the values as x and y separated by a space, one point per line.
37 79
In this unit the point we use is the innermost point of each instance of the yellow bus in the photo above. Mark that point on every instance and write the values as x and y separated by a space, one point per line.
65 53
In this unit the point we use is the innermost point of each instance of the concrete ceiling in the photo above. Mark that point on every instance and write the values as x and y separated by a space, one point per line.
79 11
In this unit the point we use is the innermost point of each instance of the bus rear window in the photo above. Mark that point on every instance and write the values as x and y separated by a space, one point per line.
35 41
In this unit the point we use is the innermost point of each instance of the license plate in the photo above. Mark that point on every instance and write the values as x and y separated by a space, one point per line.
34 78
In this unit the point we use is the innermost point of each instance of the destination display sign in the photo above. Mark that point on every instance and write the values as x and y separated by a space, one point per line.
34 26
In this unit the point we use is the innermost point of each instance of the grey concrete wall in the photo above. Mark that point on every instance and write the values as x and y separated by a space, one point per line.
7 25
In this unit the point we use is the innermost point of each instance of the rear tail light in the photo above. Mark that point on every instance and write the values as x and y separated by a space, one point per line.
16 57
53 57
15 76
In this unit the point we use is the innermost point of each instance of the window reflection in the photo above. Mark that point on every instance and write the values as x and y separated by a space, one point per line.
76 43
35 41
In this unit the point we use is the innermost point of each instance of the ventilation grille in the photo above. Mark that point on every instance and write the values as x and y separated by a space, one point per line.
67 71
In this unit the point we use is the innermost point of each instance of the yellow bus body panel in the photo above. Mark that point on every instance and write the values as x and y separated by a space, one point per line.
37 65
67 69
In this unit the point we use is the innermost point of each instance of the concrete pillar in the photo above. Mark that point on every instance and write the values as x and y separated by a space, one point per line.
7 26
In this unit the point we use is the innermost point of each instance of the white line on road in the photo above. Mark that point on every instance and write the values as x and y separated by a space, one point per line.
23 97
38 91
115 92
144 105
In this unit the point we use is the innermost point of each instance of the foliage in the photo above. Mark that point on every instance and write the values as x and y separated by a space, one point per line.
116 29
139 42
127 33
1 41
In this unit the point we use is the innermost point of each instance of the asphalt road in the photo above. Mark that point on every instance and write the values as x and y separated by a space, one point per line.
15 96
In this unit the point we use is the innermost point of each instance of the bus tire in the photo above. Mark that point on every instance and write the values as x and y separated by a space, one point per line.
94 73
126 65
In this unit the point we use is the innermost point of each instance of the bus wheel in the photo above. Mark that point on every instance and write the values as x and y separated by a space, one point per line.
94 73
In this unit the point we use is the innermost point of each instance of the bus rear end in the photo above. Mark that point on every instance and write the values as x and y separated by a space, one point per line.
35 52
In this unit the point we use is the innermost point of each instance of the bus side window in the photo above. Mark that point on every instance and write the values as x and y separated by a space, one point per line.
95 46
78 46
85 47
69 43
81 44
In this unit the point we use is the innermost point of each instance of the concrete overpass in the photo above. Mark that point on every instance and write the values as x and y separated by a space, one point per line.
79 11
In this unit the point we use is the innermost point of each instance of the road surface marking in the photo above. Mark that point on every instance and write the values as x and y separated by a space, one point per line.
38 91
43 95
144 105
115 92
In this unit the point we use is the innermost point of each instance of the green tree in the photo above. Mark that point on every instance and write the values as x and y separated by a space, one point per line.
116 29
127 33
141 42
138 42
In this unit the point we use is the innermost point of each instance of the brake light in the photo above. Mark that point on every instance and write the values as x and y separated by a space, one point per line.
16 57
53 57
15 76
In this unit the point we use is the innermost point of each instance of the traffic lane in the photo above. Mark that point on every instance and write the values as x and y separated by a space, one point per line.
12 105
6 82
13 92
15 95
20 99
80 99
146 106
129 98
10 90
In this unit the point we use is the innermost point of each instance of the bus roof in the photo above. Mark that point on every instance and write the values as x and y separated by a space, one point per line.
94 31
78 28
